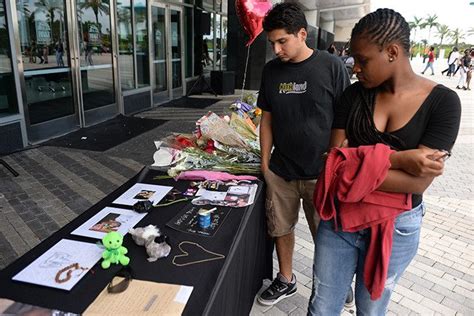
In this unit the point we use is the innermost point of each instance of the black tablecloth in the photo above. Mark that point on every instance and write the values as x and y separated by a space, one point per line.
223 287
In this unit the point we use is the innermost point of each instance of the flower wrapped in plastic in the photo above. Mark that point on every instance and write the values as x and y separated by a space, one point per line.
196 159
217 144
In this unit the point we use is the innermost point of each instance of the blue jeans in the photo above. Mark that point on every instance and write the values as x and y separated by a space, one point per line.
429 65
339 255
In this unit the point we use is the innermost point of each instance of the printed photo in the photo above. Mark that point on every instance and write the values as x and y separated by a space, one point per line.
144 195
107 224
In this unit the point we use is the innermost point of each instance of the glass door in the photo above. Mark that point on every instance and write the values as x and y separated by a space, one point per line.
67 64
50 108
176 53
160 47
167 52
95 70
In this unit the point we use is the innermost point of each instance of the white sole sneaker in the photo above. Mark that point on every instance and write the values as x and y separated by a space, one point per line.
270 303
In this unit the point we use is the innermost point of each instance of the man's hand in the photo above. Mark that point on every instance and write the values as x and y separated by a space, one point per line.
420 162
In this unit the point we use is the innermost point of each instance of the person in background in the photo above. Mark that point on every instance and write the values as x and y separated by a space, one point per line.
430 63
59 53
469 71
418 119
464 68
452 60
333 49
297 94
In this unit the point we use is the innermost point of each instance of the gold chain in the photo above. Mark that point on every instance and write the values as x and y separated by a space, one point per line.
218 255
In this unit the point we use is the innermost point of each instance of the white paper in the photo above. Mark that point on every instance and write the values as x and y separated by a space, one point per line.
235 196
45 269
107 220
183 295
141 192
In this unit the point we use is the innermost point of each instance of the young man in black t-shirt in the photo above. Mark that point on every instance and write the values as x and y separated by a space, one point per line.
297 95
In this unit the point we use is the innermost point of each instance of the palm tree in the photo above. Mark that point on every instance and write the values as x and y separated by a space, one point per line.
50 7
98 6
430 22
443 31
416 24
456 35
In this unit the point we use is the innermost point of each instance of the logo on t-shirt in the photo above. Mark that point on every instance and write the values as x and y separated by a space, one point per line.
293 87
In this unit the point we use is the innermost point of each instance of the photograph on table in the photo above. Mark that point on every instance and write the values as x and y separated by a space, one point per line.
61 266
234 196
143 191
187 220
107 220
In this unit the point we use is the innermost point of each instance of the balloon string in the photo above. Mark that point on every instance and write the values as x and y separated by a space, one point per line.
245 73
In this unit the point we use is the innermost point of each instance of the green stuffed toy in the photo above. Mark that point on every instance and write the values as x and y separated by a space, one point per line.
114 251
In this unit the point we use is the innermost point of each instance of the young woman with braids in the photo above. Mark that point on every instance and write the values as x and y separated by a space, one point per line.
419 119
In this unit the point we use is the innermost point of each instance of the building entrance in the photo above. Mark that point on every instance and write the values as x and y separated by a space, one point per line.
168 53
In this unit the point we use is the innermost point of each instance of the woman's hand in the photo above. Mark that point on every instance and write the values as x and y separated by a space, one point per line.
420 162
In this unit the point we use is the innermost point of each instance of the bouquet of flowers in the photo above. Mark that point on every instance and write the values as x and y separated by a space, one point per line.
217 144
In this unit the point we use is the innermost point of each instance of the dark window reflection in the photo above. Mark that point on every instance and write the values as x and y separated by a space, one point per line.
159 56
44 50
141 41
8 100
207 59
188 41
124 30
176 62
95 40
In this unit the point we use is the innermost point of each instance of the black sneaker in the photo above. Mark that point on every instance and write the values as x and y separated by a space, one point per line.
349 299
278 290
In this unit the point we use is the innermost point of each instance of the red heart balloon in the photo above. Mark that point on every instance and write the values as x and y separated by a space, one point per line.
251 14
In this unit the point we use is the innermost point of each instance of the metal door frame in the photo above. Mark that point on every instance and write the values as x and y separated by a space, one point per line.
51 128
168 58
105 112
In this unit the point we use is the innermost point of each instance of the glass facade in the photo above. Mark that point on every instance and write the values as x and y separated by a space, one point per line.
208 49
188 41
72 56
224 43
44 50
95 41
159 56
125 44
176 47
141 43
132 29
8 99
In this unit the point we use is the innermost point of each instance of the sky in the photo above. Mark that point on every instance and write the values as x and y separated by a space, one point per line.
454 13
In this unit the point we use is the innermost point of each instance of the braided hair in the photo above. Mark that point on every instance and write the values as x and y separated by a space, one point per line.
381 27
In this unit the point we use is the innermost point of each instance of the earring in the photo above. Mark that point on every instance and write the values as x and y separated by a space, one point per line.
390 59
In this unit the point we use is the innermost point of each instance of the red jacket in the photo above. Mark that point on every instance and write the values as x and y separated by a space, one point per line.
352 175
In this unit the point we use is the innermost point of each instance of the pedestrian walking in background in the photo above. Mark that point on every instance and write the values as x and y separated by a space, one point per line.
464 68
453 58
470 69
430 63
414 122
59 53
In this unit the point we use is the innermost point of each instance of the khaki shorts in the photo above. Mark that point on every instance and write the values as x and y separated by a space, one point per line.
283 204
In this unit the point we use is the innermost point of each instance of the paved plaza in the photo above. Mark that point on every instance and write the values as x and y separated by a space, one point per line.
57 184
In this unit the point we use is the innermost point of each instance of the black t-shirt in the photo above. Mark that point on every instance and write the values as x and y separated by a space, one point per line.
435 124
301 98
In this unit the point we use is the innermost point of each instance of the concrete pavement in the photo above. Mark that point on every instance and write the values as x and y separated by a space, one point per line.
57 184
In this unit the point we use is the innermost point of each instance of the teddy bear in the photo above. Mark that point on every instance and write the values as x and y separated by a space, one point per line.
114 251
